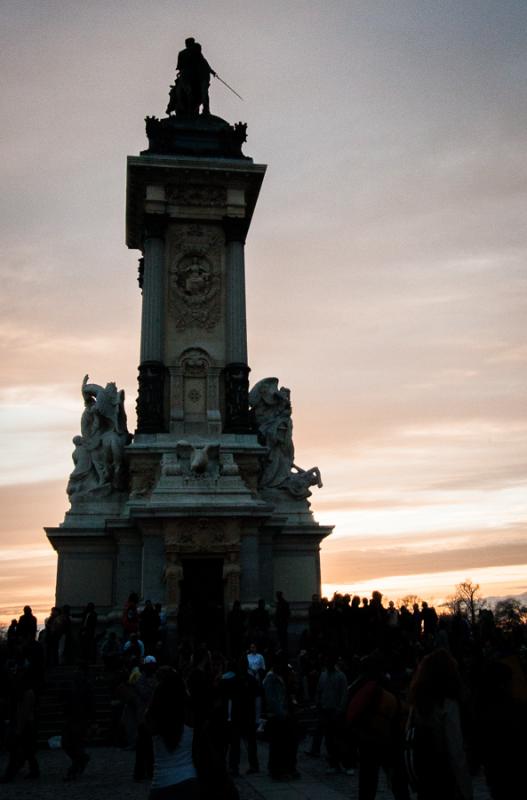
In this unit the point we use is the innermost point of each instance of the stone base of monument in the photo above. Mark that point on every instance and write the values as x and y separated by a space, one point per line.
193 516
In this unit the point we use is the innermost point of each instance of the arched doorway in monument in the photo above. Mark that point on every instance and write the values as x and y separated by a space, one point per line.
202 611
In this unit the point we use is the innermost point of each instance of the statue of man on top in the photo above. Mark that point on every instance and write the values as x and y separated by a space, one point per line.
191 89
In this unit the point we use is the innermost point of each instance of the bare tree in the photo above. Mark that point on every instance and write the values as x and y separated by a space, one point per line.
466 600
408 600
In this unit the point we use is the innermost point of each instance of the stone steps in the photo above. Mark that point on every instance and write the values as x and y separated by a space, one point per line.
50 710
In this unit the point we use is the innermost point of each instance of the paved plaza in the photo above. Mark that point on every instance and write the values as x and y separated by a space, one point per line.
109 777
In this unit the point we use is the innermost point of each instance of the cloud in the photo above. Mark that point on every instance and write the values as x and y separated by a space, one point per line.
385 263
29 563
26 508
486 509
371 561
30 580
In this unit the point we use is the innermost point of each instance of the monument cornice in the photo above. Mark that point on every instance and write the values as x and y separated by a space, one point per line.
258 513
61 539
150 444
166 172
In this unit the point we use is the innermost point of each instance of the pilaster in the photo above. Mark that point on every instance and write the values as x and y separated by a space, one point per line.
236 315
150 399
153 292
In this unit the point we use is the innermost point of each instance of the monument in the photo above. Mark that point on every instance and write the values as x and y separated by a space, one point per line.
204 504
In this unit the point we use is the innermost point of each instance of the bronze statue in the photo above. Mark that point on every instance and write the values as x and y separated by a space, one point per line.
191 89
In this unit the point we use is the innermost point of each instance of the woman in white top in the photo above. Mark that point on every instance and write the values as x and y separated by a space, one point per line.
256 665
175 776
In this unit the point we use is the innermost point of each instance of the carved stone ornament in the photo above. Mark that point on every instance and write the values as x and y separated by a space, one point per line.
229 467
203 135
200 239
192 460
271 407
195 292
142 477
202 536
272 412
172 577
197 195
195 362
98 457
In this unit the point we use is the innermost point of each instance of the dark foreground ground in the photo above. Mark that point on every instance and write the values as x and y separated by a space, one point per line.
108 777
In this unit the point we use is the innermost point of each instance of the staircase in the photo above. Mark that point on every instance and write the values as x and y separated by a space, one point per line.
50 709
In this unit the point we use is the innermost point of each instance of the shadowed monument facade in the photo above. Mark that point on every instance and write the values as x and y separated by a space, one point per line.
204 504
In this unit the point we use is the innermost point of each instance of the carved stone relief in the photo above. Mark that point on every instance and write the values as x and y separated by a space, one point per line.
194 404
197 238
143 473
202 536
195 282
173 576
192 460
197 195
195 292
195 362
195 367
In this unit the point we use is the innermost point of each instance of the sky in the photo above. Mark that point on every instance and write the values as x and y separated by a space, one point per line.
386 263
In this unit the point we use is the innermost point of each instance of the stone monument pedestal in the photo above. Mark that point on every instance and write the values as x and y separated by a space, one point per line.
203 506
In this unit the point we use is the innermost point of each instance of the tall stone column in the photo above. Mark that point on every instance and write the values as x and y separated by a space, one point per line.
152 311
236 315
150 416
236 369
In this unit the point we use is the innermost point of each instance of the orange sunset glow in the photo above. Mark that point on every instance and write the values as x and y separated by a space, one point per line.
385 266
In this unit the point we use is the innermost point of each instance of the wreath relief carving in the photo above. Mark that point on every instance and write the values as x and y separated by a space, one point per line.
195 292
195 277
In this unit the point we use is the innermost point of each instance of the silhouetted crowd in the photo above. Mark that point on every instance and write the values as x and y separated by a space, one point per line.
430 699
